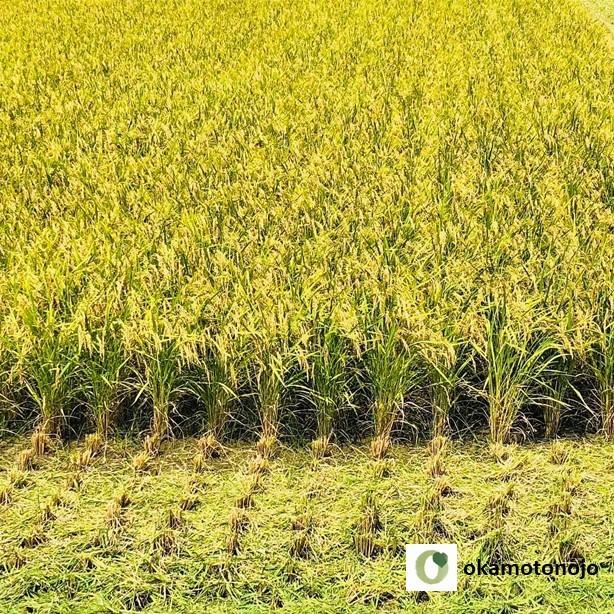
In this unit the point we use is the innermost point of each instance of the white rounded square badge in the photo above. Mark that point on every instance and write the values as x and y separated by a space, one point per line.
431 567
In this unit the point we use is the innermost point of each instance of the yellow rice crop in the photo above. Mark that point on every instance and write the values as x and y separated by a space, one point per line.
252 208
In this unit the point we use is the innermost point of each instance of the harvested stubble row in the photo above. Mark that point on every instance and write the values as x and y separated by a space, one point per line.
123 538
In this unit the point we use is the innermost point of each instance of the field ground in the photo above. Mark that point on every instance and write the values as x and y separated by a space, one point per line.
81 564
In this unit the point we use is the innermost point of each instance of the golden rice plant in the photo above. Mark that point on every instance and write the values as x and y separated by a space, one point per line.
392 370
269 386
178 234
213 381
444 365
328 384
515 361
602 362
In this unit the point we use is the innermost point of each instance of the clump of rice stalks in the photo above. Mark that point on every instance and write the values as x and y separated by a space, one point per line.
517 362
83 459
430 523
302 526
558 453
245 501
26 461
141 461
553 404
104 371
249 487
431 500
75 480
570 482
209 446
444 367
94 444
494 549
365 545
84 563
392 371
47 514
214 382
189 503
200 464
159 375
259 465
266 447
437 445
557 382
13 560
498 506
41 442
175 519
269 384
35 538
559 512
113 515
442 487
165 542
123 499
367 528
561 508
500 452
254 481
233 546
238 522
382 468
329 388
151 444
320 447
568 548
51 363
602 361
138 601
436 466
557 377
6 494
115 509
509 470
197 483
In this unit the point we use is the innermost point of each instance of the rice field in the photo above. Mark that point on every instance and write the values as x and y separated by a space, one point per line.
311 235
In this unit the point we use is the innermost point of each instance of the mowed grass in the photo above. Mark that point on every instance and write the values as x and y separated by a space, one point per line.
82 562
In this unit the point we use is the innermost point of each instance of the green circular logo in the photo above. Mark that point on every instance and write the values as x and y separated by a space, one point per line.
441 564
